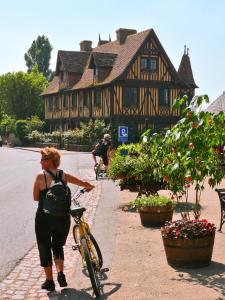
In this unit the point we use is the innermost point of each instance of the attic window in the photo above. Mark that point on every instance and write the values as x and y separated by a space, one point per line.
149 64
62 76
95 72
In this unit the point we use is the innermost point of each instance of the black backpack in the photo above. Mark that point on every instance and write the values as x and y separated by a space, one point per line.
57 201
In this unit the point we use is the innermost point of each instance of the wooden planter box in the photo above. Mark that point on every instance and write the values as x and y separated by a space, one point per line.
186 253
155 215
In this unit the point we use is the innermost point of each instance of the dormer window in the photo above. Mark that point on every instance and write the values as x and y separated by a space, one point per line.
95 72
62 76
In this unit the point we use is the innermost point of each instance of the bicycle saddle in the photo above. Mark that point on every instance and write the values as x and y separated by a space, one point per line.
77 211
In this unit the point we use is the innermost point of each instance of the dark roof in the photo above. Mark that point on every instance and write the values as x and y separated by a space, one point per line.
102 60
53 87
125 53
118 57
218 105
72 61
185 71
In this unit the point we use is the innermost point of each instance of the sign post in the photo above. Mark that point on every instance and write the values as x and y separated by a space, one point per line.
123 134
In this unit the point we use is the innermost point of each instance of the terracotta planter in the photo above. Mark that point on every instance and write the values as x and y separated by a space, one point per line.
189 253
155 215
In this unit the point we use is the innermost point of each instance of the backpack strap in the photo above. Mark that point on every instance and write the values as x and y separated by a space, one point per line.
45 180
50 173
58 176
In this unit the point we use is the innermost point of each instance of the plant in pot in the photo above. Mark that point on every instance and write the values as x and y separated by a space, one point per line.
189 158
122 166
154 210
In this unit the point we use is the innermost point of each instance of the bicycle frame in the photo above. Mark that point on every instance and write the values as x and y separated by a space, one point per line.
84 232
90 252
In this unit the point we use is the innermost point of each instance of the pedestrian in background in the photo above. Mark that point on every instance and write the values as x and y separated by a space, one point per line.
52 231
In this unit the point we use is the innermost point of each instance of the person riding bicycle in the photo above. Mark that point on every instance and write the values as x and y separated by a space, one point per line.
51 230
102 149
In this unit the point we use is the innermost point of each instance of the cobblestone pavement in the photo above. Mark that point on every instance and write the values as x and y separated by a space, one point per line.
25 279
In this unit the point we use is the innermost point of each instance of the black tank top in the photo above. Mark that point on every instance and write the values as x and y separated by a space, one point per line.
42 196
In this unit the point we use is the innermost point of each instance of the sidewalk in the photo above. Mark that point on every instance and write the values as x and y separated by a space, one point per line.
134 254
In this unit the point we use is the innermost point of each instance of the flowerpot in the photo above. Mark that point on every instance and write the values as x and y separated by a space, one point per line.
155 215
189 253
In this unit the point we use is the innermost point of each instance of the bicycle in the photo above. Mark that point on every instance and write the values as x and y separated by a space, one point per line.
87 246
99 169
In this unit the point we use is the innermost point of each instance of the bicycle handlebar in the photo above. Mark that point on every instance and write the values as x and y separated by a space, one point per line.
74 198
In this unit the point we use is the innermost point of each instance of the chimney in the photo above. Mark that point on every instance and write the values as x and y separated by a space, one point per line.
122 34
86 46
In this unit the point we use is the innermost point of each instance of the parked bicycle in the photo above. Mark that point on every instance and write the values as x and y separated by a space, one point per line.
87 246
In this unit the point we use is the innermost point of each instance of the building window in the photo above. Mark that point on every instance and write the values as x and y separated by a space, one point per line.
50 104
149 64
144 64
62 76
95 72
85 99
164 97
130 97
74 101
97 101
152 64
65 102
56 103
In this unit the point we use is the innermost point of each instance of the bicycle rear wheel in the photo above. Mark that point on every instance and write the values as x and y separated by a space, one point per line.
95 282
97 252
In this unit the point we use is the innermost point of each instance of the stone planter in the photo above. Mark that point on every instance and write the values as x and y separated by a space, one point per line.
187 253
155 215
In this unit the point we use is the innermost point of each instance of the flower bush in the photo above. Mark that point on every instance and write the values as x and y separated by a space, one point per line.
190 152
188 229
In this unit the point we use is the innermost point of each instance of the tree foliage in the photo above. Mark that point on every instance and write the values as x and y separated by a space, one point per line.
20 94
39 54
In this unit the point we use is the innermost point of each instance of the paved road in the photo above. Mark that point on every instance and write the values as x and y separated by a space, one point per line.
17 173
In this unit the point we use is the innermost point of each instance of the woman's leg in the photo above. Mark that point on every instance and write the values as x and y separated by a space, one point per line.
43 235
59 236
48 273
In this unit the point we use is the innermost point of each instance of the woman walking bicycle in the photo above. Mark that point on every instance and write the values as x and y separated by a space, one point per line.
52 229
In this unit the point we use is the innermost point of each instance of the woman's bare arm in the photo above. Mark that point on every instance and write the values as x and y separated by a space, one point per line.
36 188
72 179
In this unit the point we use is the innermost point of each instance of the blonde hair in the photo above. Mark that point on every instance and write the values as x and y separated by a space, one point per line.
51 153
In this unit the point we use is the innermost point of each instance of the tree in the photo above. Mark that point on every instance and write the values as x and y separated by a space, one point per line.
39 54
20 94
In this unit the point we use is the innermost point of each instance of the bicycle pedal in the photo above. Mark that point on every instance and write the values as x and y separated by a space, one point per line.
104 270
75 247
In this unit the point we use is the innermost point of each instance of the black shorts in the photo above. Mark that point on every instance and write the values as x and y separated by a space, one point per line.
103 156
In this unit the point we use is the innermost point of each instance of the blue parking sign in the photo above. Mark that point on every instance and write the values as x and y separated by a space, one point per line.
123 133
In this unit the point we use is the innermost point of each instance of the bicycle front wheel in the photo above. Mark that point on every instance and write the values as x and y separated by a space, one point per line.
95 282
95 250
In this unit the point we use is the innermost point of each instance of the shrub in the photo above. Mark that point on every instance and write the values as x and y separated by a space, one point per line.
22 130
152 200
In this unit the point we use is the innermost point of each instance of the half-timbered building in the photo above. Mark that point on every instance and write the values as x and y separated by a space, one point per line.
130 81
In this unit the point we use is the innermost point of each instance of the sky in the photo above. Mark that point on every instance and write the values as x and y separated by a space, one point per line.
199 24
